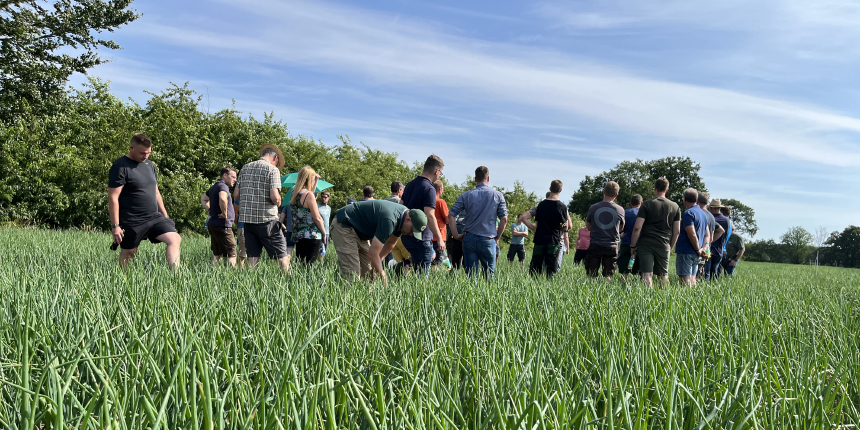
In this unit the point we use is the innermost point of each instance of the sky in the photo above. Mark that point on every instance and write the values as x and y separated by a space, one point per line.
761 93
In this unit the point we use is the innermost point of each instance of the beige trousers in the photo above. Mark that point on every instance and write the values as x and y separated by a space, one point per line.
352 252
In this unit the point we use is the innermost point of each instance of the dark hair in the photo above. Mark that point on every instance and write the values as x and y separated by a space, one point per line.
325 193
438 185
636 200
555 186
225 170
691 195
662 185
481 174
368 192
140 139
725 210
396 186
433 162
548 194
703 198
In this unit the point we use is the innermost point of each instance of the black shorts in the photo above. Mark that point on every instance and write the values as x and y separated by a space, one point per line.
266 235
517 250
133 235
579 255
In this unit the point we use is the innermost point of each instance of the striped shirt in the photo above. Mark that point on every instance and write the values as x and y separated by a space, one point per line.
255 180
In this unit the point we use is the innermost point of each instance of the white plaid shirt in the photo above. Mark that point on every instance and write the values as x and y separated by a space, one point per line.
255 180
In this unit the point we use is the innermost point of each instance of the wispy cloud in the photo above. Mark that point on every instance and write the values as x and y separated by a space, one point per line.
354 41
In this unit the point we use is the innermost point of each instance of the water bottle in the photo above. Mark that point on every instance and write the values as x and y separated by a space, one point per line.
630 263
322 251
707 251
446 263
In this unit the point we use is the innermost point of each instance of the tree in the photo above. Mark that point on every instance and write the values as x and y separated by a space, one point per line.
638 177
36 47
799 243
818 240
846 246
743 217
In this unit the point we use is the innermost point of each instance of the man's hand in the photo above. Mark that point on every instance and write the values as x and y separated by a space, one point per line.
733 263
702 253
118 234
441 245
222 215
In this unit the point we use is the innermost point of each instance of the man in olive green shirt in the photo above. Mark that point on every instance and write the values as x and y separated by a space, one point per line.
658 225
365 232
734 251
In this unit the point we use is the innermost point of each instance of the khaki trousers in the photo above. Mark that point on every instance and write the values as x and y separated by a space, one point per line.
352 252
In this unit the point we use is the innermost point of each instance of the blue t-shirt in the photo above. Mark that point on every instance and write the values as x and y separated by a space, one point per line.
518 240
717 246
418 194
237 203
629 223
697 219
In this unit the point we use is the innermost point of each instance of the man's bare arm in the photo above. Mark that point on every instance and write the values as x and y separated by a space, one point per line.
113 212
503 222
676 232
204 201
223 201
434 226
637 228
718 233
160 203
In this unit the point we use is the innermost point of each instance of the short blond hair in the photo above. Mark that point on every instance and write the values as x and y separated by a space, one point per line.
611 189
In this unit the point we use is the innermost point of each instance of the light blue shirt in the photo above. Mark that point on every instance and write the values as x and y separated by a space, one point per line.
483 206
325 213
518 240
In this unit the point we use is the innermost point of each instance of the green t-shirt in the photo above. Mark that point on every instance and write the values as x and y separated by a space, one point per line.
373 218
736 243
659 214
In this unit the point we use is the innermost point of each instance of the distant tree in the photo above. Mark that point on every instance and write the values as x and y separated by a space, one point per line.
799 243
638 177
743 217
42 46
845 246
819 239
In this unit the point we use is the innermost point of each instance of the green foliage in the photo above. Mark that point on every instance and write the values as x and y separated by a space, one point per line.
844 247
638 177
743 217
84 344
798 241
36 47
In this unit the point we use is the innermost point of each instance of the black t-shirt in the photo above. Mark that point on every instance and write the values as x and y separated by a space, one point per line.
139 182
551 217
418 194
214 194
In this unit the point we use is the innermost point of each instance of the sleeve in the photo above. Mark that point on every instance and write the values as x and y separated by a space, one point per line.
533 212
430 198
621 218
686 220
443 209
643 211
502 210
384 229
458 206
116 176
677 215
740 241
275 179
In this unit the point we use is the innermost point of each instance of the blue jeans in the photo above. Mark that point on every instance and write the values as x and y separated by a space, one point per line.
711 267
421 251
479 249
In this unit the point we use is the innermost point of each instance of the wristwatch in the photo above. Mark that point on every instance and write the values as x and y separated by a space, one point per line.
112 225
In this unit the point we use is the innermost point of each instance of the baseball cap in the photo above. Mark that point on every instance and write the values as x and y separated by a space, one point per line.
419 222
350 201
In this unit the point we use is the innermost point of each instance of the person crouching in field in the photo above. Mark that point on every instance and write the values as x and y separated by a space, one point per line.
135 206
605 221
365 232
216 201
309 232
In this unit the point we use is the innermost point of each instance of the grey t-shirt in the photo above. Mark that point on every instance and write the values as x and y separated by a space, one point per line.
607 223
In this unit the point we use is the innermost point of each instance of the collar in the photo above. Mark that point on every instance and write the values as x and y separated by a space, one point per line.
481 185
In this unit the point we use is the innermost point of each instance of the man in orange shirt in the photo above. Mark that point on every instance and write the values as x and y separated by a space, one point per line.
441 219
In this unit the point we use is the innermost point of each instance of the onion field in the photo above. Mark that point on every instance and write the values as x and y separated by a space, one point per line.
85 345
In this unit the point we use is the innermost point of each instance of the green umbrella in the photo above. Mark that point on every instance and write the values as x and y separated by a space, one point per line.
289 181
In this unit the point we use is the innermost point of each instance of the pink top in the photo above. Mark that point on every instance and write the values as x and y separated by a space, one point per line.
583 238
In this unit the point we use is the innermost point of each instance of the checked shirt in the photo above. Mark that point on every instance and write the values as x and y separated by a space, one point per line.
255 180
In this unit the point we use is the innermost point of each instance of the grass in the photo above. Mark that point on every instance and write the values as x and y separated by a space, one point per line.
86 345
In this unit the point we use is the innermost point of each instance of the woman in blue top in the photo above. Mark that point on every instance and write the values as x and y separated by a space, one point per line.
308 228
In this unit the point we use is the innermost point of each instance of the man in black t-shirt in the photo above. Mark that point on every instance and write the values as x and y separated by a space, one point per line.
218 205
135 206
553 221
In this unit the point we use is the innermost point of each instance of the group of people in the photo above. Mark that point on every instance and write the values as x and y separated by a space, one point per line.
414 226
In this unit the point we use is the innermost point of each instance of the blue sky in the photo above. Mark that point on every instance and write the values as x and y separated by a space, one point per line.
762 93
